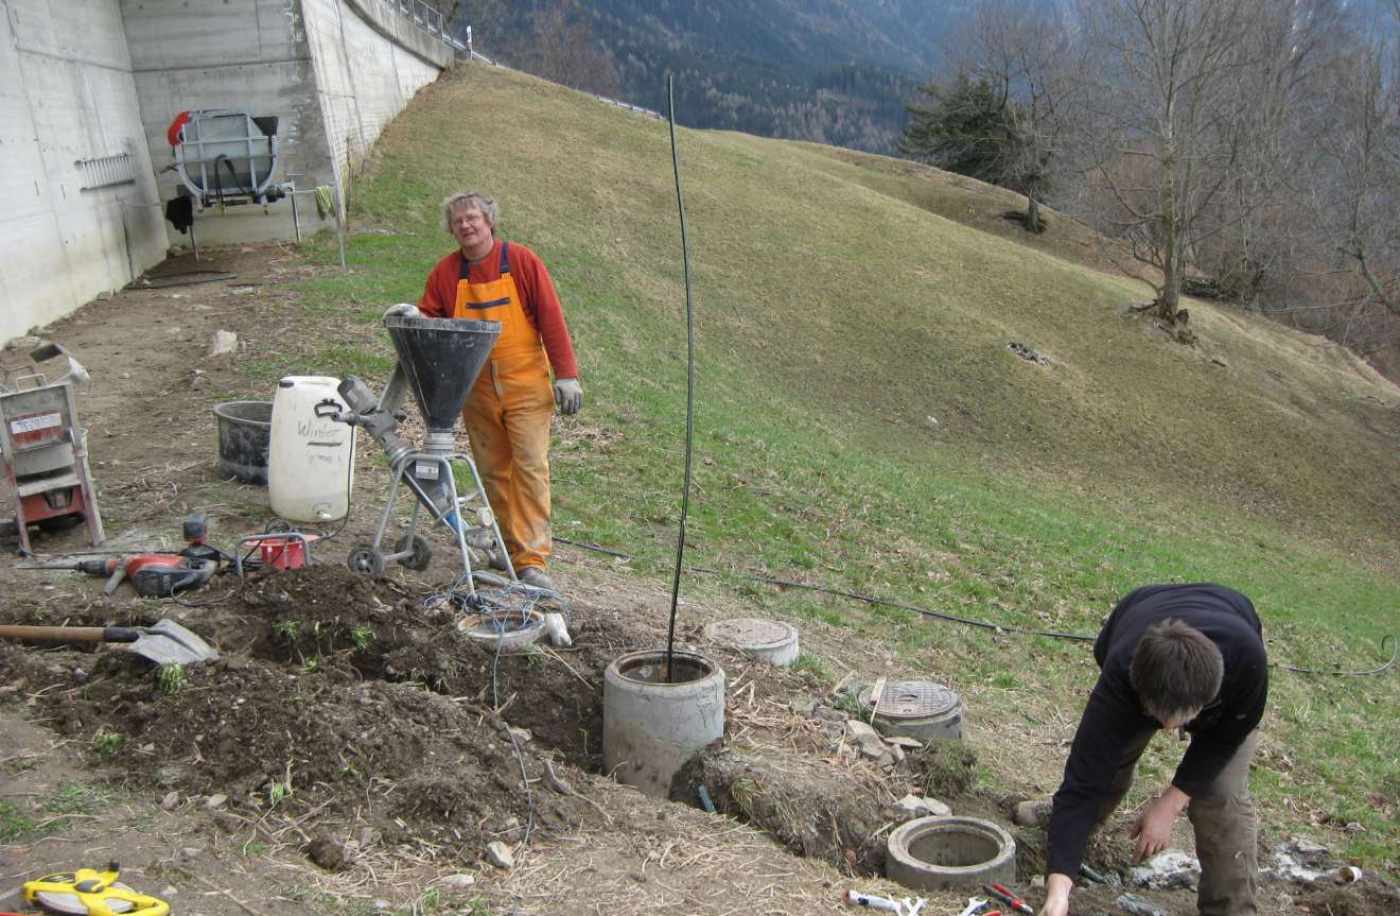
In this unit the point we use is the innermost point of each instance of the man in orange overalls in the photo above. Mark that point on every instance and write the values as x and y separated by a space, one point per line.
508 412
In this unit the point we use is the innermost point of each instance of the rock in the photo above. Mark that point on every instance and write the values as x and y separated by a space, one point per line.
1031 813
1299 859
904 741
224 342
171 801
499 855
866 738
459 881
918 806
215 801
326 852
803 706
897 752
827 714
1131 903
521 734
1167 870
169 890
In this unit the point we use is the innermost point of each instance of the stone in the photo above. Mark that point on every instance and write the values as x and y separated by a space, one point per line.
1131 903
1031 813
326 852
904 741
224 342
918 806
459 881
215 801
803 706
1167 870
499 855
171 801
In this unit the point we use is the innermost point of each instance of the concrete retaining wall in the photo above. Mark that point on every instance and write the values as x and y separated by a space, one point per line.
84 79
369 62
67 95
240 55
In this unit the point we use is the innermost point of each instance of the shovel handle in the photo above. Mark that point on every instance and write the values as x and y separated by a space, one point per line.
70 634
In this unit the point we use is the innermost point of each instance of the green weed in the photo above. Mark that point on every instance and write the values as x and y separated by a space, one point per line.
362 636
108 743
171 679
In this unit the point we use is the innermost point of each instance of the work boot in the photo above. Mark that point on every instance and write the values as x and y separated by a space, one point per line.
535 577
498 560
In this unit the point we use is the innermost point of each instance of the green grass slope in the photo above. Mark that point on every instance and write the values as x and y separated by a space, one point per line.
861 421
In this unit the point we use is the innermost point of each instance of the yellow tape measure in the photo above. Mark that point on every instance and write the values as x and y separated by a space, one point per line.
90 892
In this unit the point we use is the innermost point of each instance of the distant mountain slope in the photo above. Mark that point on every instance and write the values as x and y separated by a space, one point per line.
831 71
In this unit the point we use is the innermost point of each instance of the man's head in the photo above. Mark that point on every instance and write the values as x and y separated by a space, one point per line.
470 218
1176 670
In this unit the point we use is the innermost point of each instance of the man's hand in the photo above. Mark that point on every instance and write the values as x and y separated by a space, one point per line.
1057 888
1154 825
568 395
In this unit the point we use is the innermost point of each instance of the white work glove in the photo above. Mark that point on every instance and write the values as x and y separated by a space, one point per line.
405 309
568 395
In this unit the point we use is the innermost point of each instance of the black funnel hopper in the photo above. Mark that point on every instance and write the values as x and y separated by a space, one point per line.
441 358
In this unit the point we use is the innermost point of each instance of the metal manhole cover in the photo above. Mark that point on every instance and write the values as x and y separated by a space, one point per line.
911 700
751 633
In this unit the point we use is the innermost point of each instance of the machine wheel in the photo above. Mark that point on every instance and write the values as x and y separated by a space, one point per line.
422 552
366 561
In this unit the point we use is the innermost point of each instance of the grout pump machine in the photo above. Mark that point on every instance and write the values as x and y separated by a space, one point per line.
439 361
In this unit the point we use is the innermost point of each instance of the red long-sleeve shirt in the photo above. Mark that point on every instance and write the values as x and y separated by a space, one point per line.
537 295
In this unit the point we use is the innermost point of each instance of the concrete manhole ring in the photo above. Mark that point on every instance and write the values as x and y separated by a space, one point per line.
950 853
770 640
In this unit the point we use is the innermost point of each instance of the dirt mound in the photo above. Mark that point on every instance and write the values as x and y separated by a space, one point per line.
342 694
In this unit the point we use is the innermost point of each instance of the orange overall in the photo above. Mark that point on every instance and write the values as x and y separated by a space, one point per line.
507 416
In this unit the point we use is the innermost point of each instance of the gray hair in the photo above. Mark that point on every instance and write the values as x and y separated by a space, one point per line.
465 200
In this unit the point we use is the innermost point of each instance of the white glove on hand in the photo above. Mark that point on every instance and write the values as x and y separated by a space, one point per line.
405 309
568 395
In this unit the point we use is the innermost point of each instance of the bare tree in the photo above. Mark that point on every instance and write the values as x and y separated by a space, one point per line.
1168 120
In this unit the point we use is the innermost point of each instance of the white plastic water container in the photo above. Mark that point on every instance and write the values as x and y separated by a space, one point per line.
310 459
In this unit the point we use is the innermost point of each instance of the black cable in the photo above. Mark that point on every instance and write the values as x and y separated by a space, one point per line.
1384 639
689 378
870 599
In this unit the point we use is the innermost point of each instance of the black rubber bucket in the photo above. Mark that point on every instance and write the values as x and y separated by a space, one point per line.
245 431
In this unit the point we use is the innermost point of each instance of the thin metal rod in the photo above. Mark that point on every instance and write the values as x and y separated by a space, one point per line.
689 381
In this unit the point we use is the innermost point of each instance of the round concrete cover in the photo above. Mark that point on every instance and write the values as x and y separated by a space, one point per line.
911 700
751 633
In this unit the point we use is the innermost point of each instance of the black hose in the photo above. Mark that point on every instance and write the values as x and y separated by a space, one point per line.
982 624
1384 639
936 615
689 379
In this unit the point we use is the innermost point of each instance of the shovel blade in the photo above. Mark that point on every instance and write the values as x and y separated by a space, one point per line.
168 643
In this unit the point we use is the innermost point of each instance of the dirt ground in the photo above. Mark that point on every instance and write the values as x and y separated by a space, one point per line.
351 752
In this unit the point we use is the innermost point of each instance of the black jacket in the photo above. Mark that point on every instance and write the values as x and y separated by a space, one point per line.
1114 718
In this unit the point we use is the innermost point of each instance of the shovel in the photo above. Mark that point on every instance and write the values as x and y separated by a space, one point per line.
165 643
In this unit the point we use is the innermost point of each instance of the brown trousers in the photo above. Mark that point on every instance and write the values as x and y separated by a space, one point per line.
1226 827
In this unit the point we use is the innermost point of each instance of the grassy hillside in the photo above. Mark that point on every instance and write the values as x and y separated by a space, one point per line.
862 423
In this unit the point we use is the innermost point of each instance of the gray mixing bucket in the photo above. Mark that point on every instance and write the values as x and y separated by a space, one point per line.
245 432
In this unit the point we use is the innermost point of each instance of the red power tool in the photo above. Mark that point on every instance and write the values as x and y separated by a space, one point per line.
154 575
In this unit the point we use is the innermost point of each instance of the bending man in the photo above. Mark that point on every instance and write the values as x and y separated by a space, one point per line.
508 412
1170 657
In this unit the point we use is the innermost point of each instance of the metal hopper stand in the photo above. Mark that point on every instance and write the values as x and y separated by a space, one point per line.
439 360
